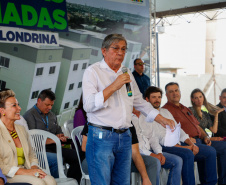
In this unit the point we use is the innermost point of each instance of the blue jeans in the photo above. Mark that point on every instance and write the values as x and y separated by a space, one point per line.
108 155
153 168
187 156
206 160
52 161
174 164
220 147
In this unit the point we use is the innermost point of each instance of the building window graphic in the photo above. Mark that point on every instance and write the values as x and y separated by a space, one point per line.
75 102
4 62
2 84
79 84
71 86
66 105
52 69
34 94
75 67
15 49
39 71
94 52
84 66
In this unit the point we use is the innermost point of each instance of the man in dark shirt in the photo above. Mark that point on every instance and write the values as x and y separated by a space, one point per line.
148 167
221 131
143 81
206 158
41 117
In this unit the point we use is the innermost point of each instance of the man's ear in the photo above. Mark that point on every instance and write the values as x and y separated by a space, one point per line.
103 51
39 100
147 99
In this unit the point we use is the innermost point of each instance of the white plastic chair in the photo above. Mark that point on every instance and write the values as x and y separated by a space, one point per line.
68 127
77 132
38 141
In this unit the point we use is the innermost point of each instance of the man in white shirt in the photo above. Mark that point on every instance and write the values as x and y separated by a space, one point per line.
109 108
156 138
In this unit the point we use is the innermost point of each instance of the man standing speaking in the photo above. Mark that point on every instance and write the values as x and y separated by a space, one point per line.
109 94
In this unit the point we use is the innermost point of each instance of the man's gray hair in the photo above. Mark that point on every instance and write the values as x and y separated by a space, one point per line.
112 38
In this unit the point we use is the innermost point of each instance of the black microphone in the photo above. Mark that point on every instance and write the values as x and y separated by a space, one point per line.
128 87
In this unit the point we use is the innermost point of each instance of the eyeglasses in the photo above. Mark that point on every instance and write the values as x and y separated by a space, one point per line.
140 64
116 49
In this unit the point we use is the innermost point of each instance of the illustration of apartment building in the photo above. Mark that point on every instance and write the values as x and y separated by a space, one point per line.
75 60
28 69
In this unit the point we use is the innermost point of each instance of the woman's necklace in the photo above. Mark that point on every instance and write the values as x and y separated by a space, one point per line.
13 133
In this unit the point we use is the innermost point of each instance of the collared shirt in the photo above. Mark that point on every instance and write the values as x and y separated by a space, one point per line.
143 81
152 136
116 110
184 115
35 118
3 176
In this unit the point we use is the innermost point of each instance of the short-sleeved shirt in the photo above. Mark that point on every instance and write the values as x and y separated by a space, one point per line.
132 130
205 121
184 115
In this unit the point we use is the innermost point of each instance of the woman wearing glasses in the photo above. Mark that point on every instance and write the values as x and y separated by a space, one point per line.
17 158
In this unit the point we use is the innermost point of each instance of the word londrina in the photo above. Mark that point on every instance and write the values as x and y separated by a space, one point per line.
28 37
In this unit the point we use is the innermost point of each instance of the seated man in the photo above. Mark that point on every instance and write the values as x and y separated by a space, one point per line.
41 117
3 180
157 134
206 158
167 160
148 167
221 131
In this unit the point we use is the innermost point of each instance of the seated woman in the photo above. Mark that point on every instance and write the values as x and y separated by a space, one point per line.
198 99
80 117
17 158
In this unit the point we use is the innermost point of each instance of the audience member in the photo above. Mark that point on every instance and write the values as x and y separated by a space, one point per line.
198 99
165 160
221 132
143 81
17 158
206 158
156 136
3 180
80 117
50 156
41 117
109 107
